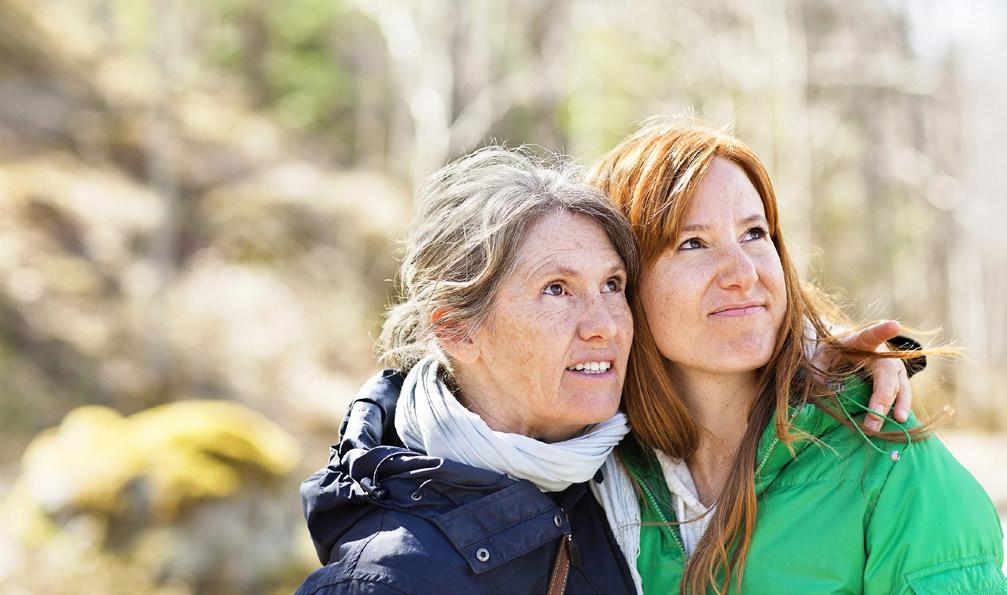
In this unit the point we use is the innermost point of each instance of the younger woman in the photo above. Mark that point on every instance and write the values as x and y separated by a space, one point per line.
749 471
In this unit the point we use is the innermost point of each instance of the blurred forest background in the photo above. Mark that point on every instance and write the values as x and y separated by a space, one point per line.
199 203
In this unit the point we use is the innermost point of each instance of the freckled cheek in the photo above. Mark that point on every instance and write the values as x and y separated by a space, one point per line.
771 275
624 324
534 317
521 333
683 296
624 320
768 264
664 323
545 336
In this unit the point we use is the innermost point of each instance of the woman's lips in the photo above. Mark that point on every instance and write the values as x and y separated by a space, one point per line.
610 373
738 311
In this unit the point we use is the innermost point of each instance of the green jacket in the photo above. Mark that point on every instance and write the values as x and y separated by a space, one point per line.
843 518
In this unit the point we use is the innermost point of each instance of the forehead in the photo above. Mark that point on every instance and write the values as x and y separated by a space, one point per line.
567 240
725 191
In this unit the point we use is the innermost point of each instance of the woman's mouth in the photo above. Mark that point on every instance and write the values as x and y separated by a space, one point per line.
596 367
738 310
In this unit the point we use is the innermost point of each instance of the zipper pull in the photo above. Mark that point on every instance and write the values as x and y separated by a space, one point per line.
574 551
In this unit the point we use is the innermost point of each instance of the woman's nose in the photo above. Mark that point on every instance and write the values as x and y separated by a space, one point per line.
597 320
737 269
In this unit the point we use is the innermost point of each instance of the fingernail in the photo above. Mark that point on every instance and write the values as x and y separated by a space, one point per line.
901 414
873 423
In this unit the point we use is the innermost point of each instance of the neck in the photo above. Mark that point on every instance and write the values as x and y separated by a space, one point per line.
720 404
503 416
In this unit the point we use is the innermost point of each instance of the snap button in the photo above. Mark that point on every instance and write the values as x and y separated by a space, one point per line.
482 554
557 520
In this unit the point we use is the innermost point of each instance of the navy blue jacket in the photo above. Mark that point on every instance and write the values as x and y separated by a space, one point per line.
385 519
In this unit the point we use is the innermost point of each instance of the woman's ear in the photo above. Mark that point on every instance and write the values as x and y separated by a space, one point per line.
453 337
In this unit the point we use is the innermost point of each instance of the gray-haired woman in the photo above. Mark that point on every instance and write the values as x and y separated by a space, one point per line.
515 331
469 474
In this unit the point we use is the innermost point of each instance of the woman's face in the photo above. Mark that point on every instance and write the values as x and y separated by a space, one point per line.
715 300
551 358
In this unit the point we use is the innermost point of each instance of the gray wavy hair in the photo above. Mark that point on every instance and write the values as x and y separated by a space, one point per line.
472 216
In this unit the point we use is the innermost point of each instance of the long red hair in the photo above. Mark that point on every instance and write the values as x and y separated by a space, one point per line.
653 176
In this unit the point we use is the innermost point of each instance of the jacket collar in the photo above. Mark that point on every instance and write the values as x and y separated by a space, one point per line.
476 509
811 423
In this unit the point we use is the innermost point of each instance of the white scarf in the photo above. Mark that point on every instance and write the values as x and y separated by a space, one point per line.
617 496
429 419
622 509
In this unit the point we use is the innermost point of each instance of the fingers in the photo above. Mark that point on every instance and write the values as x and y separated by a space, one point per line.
887 386
904 402
872 337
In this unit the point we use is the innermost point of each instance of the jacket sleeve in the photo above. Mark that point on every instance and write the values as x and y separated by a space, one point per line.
334 579
933 529
904 343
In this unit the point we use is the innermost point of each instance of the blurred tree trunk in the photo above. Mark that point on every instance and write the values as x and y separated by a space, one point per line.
444 56
255 38
373 107
162 147
417 39
781 38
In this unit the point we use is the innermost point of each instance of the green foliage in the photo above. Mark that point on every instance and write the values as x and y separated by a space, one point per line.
292 46
305 87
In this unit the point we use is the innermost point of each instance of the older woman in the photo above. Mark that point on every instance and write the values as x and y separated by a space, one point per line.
515 331
747 471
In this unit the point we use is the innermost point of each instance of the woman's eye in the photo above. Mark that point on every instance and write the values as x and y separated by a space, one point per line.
613 285
690 244
756 233
554 289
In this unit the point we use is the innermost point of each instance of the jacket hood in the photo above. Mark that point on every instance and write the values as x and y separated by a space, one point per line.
370 468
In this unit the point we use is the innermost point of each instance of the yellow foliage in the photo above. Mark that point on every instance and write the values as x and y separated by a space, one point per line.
22 516
83 464
198 449
173 455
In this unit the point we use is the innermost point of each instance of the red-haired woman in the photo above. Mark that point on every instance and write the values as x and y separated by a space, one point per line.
749 470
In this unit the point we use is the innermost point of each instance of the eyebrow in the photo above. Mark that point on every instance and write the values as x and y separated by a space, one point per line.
551 268
704 227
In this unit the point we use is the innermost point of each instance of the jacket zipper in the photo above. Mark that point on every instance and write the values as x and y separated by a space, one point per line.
571 545
765 457
653 503
573 550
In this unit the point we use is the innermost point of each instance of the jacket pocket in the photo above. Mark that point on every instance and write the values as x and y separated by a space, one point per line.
978 575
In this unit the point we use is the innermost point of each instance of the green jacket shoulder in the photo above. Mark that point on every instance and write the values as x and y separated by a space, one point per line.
931 528
838 513
927 525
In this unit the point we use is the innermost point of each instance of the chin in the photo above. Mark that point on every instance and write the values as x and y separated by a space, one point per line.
755 352
748 361
595 411
610 411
